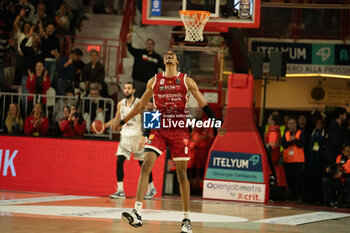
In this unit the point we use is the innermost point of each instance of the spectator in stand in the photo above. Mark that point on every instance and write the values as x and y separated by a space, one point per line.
31 54
63 115
337 135
146 64
38 82
313 163
14 121
94 109
51 49
293 142
5 45
79 66
62 102
94 72
40 15
7 15
63 19
76 7
20 34
66 75
337 180
74 126
36 124
29 10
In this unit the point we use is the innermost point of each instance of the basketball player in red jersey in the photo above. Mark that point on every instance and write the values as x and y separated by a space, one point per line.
170 91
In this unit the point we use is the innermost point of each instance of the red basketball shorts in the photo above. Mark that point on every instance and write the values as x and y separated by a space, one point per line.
176 139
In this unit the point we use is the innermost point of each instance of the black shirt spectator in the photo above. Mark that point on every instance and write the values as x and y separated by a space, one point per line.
337 135
94 71
146 64
31 54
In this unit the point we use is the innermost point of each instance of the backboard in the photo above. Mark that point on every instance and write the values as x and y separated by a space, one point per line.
224 13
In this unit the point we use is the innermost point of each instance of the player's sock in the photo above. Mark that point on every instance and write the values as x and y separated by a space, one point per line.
120 186
138 207
187 214
150 186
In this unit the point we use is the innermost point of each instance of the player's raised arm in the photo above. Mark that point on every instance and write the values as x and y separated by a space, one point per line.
116 118
140 106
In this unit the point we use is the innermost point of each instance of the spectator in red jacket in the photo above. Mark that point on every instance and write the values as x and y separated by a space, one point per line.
38 82
36 124
74 126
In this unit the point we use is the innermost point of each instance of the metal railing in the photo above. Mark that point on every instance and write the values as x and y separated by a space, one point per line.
54 106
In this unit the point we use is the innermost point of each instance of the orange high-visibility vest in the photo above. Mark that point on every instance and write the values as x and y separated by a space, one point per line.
293 154
346 166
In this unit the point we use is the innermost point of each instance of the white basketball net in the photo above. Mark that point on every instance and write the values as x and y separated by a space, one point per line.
194 24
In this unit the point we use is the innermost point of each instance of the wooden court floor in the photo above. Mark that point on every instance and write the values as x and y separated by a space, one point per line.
24 212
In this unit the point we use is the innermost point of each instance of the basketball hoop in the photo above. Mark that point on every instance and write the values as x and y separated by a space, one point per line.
194 22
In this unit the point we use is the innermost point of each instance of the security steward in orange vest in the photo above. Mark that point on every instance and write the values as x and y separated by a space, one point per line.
337 180
293 142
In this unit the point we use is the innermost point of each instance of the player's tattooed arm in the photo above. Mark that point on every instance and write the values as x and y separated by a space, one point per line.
140 106
116 118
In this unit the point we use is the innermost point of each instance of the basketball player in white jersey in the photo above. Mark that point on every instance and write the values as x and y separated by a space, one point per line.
132 141
170 91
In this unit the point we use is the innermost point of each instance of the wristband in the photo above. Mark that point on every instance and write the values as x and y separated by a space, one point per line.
122 122
208 111
211 115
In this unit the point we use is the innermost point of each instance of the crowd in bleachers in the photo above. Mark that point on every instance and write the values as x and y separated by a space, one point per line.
34 37
310 154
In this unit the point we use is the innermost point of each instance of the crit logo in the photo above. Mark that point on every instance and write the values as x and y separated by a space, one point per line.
8 162
151 120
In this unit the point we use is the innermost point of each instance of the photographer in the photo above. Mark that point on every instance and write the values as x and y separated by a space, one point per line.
337 178
74 126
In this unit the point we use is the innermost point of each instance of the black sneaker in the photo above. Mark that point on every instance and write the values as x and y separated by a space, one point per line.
186 226
132 218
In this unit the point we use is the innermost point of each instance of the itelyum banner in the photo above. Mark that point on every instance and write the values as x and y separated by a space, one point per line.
235 166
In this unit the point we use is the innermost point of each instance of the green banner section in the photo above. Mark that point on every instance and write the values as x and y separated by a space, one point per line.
323 54
234 175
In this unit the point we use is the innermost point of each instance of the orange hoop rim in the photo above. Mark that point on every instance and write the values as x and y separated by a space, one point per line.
194 12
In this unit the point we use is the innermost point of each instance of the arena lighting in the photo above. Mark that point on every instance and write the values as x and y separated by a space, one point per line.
318 75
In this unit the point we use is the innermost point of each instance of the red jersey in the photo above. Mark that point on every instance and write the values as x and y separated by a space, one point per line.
170 95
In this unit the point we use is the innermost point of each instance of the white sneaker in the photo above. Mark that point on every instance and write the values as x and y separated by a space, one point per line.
149 195
186 226
118 195
132 218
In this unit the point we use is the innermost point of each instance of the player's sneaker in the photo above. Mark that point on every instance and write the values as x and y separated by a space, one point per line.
118 195
150 194
186 226
132 218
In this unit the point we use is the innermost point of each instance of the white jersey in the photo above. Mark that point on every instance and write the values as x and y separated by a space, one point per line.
134 126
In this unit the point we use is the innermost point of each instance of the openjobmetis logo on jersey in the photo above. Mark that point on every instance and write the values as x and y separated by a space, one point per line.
154 120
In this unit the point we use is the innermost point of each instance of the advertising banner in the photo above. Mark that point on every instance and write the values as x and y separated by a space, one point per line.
307 56
235 166
156 8
67 166
234 191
